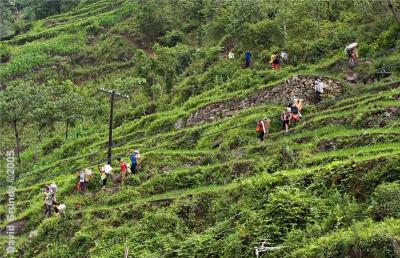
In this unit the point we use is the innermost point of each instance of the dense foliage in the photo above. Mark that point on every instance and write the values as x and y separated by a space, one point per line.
206 189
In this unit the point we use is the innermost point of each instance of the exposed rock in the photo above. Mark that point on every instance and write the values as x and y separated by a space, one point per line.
380 118
351 77
216 143
396 247
91 40
326 145
241 168
297 86
33 234
161 203
179 123
238 153
16 226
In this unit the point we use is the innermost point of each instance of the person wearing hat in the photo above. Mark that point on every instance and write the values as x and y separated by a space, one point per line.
49 198
138 160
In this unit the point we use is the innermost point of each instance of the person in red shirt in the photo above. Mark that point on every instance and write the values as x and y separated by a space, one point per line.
123 167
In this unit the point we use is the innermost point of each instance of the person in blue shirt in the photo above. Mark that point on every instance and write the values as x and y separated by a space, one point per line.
247 57
133 163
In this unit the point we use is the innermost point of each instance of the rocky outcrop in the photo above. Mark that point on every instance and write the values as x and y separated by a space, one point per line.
297 86
17 227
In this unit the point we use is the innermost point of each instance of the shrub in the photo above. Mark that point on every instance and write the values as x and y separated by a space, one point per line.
390 64
247 79
54 143
385 201
173 37
389 38
95 29
82 242
5 53
132 181
265 33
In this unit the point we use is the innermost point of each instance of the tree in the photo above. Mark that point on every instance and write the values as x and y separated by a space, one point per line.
6 17
71 106
153 19
170 62
16 108
391 7
266 33
39 9
58 102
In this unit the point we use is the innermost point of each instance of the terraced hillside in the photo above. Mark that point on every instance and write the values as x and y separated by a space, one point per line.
327 188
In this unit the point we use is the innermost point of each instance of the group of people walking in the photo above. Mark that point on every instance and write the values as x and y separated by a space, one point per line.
276 58
84 176
275 61
105 170
290 115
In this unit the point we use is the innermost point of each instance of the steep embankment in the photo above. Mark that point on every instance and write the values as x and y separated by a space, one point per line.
327 188
335 158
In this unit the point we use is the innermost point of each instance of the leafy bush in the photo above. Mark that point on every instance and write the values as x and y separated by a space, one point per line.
82 242
246 79
390 64
265 34
54 143
5 53
173 37
385 201
95 29
389 38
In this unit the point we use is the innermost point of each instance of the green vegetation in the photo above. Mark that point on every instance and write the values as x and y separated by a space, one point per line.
329 188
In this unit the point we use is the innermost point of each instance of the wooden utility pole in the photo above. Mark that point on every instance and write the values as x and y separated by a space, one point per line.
126 254
113 94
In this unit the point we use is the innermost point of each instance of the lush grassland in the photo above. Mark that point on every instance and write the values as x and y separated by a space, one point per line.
328 188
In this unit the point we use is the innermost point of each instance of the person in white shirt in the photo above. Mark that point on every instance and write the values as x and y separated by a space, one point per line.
231 55
284 57
319 89
49 198
107 169
82 182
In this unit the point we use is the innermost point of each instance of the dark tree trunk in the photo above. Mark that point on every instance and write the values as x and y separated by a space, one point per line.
36 10
17 140
58 6
66 130
395 16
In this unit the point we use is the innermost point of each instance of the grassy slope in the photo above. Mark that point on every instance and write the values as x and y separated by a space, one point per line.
312 201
